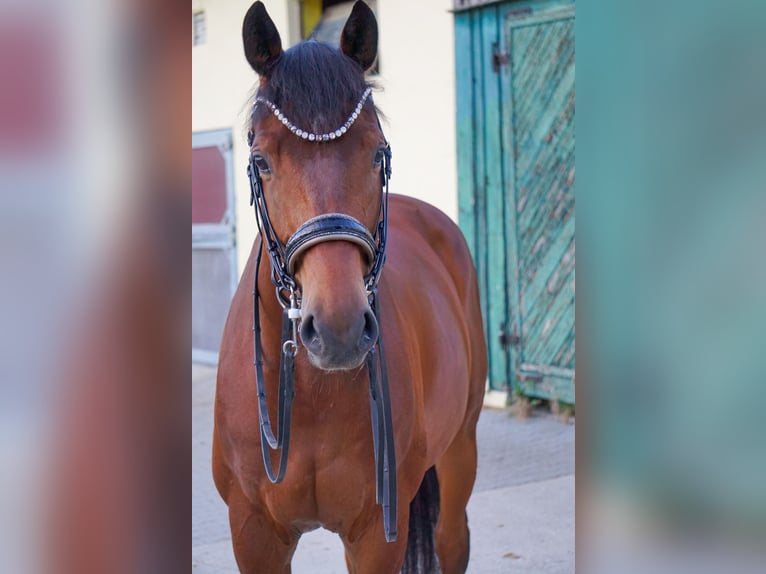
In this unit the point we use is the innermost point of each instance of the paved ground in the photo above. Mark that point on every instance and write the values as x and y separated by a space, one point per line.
521 513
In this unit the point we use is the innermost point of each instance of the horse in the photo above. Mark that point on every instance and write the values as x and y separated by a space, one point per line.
367 269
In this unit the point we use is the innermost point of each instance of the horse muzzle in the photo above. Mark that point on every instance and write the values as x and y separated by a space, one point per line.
338 345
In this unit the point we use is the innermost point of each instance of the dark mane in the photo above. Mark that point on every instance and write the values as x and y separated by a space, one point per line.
315 85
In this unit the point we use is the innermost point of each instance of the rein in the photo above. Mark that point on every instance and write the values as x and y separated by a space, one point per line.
283 258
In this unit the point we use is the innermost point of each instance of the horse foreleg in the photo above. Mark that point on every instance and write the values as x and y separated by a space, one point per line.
371 554
261 546
456 471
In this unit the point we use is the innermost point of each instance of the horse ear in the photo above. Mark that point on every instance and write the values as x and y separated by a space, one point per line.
263 46
359 39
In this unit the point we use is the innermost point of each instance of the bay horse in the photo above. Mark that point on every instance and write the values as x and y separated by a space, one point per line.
353 269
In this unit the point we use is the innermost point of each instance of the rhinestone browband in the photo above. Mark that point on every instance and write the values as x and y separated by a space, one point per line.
316 137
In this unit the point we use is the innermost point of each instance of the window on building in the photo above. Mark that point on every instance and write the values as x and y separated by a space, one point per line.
199 28
323 20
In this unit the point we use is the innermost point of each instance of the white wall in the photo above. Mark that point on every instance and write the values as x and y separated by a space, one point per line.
417 64
417 76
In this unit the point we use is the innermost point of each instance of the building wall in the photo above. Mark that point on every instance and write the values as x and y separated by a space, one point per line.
418 79
416 54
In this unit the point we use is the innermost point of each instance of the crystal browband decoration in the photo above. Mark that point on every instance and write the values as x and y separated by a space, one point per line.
303 134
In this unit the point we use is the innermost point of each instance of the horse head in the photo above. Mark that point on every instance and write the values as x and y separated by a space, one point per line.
318 149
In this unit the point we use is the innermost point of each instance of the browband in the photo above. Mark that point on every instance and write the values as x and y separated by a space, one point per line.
328 227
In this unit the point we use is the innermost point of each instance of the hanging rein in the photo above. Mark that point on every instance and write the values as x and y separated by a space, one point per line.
283 258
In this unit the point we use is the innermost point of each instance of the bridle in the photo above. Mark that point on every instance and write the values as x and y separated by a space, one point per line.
283 259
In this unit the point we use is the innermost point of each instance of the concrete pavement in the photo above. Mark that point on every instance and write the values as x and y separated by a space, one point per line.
521 513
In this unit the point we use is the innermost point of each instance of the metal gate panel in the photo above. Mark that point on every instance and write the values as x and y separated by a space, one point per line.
214 265
211 295
209 193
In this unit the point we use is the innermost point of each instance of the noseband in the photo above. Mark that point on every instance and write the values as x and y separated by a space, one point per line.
329 227
283 259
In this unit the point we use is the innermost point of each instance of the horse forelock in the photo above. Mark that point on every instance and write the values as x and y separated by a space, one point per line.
315 85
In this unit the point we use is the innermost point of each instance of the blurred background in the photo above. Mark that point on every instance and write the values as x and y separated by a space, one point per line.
94 312
671 142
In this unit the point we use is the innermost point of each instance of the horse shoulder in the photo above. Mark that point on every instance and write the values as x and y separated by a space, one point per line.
442 235
433 265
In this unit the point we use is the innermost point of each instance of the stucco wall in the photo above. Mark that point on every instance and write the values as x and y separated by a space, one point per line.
418 98
417 76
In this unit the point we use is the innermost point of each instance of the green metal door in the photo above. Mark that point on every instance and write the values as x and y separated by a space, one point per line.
515 128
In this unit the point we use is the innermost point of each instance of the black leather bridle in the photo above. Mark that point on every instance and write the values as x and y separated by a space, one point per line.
283 258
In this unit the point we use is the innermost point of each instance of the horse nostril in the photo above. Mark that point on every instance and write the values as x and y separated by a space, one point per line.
310 335
370 331
338 344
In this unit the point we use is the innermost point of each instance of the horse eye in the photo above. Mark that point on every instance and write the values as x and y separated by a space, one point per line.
262 164
379 155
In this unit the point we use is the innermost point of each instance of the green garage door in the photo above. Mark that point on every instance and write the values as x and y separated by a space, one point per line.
515 100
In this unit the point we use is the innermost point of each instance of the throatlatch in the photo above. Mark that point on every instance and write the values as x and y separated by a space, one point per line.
326 227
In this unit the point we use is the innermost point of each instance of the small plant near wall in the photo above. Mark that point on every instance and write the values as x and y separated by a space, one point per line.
522 406
564 411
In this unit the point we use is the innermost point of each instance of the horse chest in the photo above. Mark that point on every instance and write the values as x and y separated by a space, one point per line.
330 476
326 485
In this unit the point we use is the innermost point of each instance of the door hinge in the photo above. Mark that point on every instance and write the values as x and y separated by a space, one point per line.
507 339
499 58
